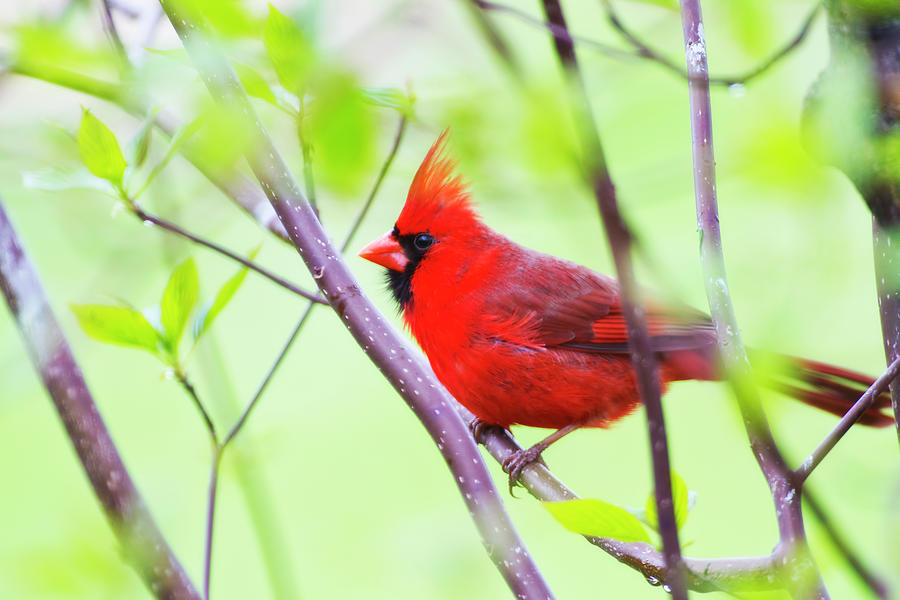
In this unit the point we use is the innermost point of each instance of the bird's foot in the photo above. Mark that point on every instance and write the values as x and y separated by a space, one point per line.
479 428
516 462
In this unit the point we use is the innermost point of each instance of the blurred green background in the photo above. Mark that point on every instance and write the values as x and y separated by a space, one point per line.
355 485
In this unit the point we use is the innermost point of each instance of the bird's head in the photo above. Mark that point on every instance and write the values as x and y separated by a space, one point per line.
438 213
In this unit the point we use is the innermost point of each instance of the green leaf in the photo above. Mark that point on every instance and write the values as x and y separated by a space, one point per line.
289 50
117 325
184 132
178 300
679 497
139 145
254 83
341 127
52 179
205 317
597 518
99 149
389 98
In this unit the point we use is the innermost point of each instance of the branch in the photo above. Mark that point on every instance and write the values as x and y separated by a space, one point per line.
642 356
643 51
143 544
383 344
701 574
877 585
173 228
785 494
844 425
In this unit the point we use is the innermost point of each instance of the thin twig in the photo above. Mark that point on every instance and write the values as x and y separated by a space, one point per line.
385 167
382 342
210 517
109 25
198 404
876 584
643 51
846 422
495 40
805 577
142 543
642 356
354 227
239 424
558 32
173 228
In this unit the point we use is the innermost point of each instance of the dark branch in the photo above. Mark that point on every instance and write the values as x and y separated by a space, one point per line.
143 544
642 356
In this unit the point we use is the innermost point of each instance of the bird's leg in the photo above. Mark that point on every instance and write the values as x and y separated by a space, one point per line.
516 462
479 428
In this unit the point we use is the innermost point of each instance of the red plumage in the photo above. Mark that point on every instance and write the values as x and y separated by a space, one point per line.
521 337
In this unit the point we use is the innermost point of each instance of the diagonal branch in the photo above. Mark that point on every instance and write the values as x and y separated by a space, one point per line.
143 544
642 356
844 425
382 343
173 228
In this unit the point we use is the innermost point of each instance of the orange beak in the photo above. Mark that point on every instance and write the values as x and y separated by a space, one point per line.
385 251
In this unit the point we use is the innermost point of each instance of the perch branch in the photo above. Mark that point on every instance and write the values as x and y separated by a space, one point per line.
143 544
642 356
382 343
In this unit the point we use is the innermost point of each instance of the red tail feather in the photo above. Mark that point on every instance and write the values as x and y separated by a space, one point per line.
832 389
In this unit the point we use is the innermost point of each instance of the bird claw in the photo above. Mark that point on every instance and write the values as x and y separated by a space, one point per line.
479 428
516 462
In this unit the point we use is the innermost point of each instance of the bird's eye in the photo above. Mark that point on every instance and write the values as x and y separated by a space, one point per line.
423 241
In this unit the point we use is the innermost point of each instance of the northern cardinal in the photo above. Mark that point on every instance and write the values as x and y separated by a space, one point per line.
521 337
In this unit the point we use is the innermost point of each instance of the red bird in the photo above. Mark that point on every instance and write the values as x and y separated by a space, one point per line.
521 337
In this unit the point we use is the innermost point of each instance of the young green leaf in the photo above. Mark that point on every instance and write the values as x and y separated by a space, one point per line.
206 315
99 149
288 49
139 145
51 179
679 497
597 518
178 300
184 132
117 325
254 83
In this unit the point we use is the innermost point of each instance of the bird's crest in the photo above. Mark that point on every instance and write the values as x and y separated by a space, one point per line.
438 197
